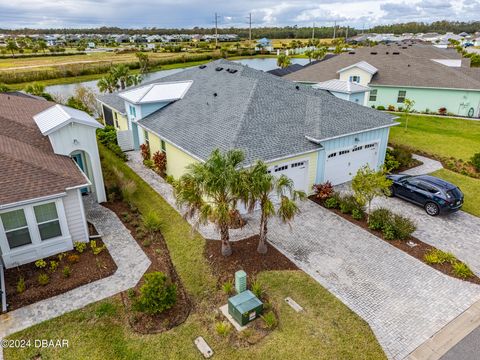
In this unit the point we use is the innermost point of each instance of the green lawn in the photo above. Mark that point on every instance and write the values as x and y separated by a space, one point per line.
469 186
443 136
326 330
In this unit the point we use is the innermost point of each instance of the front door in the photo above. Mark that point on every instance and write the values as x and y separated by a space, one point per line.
78 158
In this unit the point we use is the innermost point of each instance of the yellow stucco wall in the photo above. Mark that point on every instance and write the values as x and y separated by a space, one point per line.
365 77
121 120
177 160
312 166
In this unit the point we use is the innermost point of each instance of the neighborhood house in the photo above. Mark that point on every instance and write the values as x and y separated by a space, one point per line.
49 158
307 134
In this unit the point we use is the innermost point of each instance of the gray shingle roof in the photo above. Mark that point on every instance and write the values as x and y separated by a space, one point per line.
114 101
411 67
266 116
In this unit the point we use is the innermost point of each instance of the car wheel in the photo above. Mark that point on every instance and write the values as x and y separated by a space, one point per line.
432 209
392 191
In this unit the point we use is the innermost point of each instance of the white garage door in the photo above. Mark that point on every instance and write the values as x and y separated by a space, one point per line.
342 165
297 171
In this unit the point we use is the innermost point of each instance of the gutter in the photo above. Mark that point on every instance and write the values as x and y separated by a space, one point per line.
318 141
3 290
25 202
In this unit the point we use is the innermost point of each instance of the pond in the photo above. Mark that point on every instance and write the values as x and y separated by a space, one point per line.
264 64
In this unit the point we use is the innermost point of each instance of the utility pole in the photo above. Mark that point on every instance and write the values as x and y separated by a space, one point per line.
334 29
250 27
216 30
313 31
346 36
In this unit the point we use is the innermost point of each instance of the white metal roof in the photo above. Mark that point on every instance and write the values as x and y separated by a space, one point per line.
58 116
362 65
157 92
342 86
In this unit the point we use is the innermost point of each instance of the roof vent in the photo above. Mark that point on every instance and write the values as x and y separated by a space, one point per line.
219 68
408 65
233 71
387 53
202 66
297 87
215 94
404 47
373 53
395 53
351 52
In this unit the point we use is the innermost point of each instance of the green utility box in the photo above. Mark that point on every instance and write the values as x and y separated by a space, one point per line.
244 307
240 281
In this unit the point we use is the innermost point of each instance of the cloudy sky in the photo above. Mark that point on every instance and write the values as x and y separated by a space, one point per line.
190 13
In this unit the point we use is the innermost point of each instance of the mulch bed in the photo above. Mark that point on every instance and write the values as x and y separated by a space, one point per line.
414 163
244 257
156 250
417 252
89 268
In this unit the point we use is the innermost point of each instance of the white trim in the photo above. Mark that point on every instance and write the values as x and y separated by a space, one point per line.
421 87
110 107
290 156
318 141
82 213
26 202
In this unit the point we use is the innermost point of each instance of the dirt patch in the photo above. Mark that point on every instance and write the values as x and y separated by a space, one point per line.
417 251
156 249
244 257
89 268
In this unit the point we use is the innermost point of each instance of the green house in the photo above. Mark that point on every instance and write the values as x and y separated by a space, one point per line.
245 307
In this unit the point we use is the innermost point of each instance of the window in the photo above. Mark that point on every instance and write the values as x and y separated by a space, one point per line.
164 149
47 221
343 152
357 148
16 228
294 165
332 155
368 146
354 79
373 95
133 111
281 168
401 96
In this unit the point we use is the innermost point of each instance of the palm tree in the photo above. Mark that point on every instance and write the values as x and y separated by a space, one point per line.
264 189
408 105
309 53
283 61
11 46
320 53
108 83
122 74
211 191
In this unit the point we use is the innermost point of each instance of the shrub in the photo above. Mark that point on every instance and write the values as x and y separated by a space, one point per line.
323 191
107 135
95 248
149 163
223 328
403 156
378 218
391 163
43 279
257 289
151 222
227 287
403 227
331 203
21 286
147 242
67 271
128 188
80 246
131 294
145 151
269 319
461 270
381 107
476 161
106 309
157 294
357 214
160 160
348 204
170 179
73 258
40 263
391 108
435 256
53 266
442 111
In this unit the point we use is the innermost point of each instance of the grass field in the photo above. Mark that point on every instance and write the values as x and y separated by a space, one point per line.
447 137
469 186
327 329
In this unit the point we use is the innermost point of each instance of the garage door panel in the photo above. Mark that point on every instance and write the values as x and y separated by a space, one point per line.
342 165
297 171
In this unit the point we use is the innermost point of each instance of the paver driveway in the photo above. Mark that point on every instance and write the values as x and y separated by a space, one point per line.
458 233
404 301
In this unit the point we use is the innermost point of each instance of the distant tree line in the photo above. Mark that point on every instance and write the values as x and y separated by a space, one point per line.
285 32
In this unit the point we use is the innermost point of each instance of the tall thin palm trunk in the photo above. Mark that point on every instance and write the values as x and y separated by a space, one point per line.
225 238
262 241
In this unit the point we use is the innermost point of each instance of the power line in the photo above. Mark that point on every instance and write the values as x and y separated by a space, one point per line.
250 27
216 30
313 31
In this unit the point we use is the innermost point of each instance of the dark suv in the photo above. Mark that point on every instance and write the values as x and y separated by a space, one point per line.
435 195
